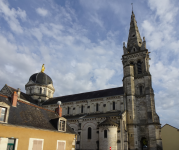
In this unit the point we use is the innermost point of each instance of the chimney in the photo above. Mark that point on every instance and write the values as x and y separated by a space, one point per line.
18 92
58 110
14 99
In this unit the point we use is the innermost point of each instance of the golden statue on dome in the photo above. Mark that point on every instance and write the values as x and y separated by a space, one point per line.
43 68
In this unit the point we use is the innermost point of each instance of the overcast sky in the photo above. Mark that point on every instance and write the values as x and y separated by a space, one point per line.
80 43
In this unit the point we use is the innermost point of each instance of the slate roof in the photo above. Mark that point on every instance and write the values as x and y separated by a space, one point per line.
87 95
95 115
108 122
30 115
23 95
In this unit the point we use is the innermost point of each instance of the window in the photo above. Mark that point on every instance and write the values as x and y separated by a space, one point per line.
89 133
62 125
11 144
36 144
97 107
68 111
140 89
80 126
30 90
139 67
61 145
105 133
8 143
2 114
40 90
81 108
113 105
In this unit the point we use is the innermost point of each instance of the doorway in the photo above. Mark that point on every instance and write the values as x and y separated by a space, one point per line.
144 144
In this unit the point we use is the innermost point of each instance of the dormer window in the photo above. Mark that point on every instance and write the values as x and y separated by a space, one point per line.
3 114
62 124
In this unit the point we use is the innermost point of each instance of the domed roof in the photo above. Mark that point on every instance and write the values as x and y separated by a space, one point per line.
41 78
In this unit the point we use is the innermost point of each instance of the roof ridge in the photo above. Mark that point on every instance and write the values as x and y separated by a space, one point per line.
86 92
11 87
3 95
170 125
35 106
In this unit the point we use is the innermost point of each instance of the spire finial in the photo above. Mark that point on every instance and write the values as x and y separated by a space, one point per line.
43 68
132 6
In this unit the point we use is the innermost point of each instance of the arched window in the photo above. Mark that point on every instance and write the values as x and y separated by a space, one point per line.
105 133
81 108
89 133
30 91
139 67
97 107
140 90
113 105
68 110
40 90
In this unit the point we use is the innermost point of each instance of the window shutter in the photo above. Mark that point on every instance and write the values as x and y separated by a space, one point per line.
3 143
0 111
34 145
61 146
39 145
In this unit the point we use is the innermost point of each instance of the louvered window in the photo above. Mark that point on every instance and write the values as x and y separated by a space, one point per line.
139 67
62 125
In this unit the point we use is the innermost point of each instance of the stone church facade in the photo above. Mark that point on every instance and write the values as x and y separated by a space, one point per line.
122 118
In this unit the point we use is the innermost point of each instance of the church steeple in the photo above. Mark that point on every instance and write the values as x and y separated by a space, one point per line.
134 39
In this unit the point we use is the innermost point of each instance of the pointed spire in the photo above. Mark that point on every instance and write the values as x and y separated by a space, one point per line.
134 39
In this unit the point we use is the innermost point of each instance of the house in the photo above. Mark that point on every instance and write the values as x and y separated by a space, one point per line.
170 137
27 126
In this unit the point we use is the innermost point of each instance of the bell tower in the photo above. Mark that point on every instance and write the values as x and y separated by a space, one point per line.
142 120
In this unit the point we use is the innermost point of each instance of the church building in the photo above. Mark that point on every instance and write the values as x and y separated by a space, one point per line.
121 118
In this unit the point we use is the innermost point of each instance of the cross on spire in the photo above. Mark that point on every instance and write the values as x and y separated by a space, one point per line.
132 6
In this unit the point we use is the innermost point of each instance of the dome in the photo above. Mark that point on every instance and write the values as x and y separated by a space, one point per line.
41 78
